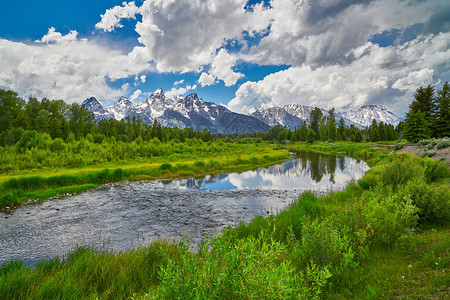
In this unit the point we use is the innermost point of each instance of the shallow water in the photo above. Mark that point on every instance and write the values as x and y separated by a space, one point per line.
125 216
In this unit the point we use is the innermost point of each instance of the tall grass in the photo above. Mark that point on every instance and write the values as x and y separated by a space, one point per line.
368 241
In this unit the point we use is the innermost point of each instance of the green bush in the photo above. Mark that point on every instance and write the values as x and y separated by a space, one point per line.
402 169
443 143
322 243
399 146
199 165
165 166
383 215
434 170
250 268
433 204
9 199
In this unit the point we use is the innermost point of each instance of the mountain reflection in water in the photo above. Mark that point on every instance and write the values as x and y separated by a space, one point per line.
306 170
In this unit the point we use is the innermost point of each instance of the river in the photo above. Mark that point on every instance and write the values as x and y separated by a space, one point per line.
128 215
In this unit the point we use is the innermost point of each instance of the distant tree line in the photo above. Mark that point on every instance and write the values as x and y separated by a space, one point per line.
71 122
325 128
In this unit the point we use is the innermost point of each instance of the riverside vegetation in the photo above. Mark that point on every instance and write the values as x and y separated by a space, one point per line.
385 236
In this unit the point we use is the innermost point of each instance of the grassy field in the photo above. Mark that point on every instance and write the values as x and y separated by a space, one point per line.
39 184
385 236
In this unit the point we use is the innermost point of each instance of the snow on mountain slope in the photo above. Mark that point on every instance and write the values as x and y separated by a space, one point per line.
365 115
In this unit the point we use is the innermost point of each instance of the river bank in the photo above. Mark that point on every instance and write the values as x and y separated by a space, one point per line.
37 185
386 236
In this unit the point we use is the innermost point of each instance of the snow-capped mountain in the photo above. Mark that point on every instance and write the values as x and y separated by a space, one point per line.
92 105
120 108
293 115
366 113
278 116
190 111
302 111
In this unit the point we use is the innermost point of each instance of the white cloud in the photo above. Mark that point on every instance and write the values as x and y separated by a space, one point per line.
180 91
112 17
178 82
135 95
183 35
64 67
320 33
143 78
221 68
387 76
206 79
56 37
414 79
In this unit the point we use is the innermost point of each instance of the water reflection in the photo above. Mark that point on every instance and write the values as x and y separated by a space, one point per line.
122 217
306 170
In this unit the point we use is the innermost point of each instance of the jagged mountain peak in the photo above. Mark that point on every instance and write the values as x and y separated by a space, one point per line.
367 113
92 102
158 92
190 111
96 108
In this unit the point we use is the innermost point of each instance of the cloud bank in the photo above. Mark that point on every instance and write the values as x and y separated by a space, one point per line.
331 48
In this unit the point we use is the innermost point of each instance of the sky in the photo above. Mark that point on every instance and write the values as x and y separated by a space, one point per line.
242 54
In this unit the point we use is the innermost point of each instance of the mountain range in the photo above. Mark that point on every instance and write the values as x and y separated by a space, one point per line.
192 111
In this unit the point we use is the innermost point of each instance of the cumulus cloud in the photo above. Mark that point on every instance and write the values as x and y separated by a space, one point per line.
320 33
184 35
206 79
180 90
178 82
221 68
64 67
112 17
53 36
325 43
135 95
386 76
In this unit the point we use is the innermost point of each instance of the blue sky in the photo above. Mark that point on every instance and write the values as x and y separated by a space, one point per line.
245 55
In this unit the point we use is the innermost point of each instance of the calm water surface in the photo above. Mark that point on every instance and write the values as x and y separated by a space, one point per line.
128 215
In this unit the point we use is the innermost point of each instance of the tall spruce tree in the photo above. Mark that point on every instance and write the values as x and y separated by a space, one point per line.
416 127
424 101
373 132
443 111
314 121
331 125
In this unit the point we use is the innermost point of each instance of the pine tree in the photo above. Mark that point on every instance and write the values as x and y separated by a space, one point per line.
341 130
303 132
382 136
424 101
443 112
416 127
311 137
314 121
373 132
331 126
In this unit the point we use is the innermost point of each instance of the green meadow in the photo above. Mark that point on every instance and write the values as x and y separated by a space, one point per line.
385 236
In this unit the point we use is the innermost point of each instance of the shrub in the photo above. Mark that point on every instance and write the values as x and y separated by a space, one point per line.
214 164
402 169
199 165
322 243
443 143
387 216
165 166
9 199
250 268
434 170
399 146
433 204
